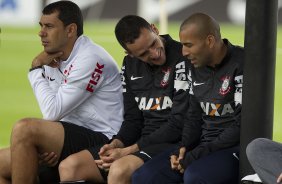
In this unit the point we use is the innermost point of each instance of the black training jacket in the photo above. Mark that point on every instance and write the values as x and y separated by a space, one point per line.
215 106
149 93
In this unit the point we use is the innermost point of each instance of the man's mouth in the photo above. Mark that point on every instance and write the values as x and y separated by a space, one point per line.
44 43
193 60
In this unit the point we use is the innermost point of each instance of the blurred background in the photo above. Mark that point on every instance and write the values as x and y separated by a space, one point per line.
27 12
20 43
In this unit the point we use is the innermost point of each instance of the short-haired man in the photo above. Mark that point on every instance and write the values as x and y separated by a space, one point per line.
214 111
77 85
153 75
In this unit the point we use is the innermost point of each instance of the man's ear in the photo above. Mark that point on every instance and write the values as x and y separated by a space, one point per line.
155 29
210 40
72 29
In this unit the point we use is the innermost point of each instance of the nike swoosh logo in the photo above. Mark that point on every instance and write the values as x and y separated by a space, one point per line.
135 78
142 152
198 84
234 154
50 79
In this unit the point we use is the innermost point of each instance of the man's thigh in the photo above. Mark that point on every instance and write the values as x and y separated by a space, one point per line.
151 151
80 166
47 136
76 138
218 167
157 170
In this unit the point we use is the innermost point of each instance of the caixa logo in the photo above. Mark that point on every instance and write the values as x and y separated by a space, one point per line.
212 109
158 103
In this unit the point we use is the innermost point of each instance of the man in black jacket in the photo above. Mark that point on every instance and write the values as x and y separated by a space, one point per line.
210 142
154 78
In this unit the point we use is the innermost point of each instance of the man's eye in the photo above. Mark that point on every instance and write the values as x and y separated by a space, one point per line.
49 26
187 45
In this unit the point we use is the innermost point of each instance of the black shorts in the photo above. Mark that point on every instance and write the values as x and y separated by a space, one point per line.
77 138
145 154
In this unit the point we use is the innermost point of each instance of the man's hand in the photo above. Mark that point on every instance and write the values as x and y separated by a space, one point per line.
174 160
116 143
52 60
108 157
102 165
112 155
48 159
279 179
105 149
109 153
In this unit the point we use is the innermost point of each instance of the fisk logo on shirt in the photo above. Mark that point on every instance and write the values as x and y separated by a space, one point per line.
182 79
95 77
212 109
123 79
158 103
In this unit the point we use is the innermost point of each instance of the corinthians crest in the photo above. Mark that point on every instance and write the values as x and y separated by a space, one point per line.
166 72
225 88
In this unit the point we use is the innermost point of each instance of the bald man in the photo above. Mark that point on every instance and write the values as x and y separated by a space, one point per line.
209 149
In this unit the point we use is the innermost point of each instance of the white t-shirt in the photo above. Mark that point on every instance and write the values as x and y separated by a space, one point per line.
85 90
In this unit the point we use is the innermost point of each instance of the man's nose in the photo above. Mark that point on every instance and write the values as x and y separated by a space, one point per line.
42 33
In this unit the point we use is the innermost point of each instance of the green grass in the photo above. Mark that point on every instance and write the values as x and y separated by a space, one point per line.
20 45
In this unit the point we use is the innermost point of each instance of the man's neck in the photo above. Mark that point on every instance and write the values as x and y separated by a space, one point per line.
68 49
219 53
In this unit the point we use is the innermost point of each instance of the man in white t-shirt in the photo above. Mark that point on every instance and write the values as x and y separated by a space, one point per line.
78 88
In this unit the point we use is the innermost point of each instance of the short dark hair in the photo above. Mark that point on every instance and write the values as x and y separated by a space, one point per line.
128 29
69 13
206 25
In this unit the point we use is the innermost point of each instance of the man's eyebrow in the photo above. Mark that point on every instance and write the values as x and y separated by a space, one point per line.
186 43
45 24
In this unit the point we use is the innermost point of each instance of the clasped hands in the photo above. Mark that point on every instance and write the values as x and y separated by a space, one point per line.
175 160
108 154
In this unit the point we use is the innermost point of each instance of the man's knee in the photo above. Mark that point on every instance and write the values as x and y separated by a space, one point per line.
117 169
255 147
24 129
68 167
